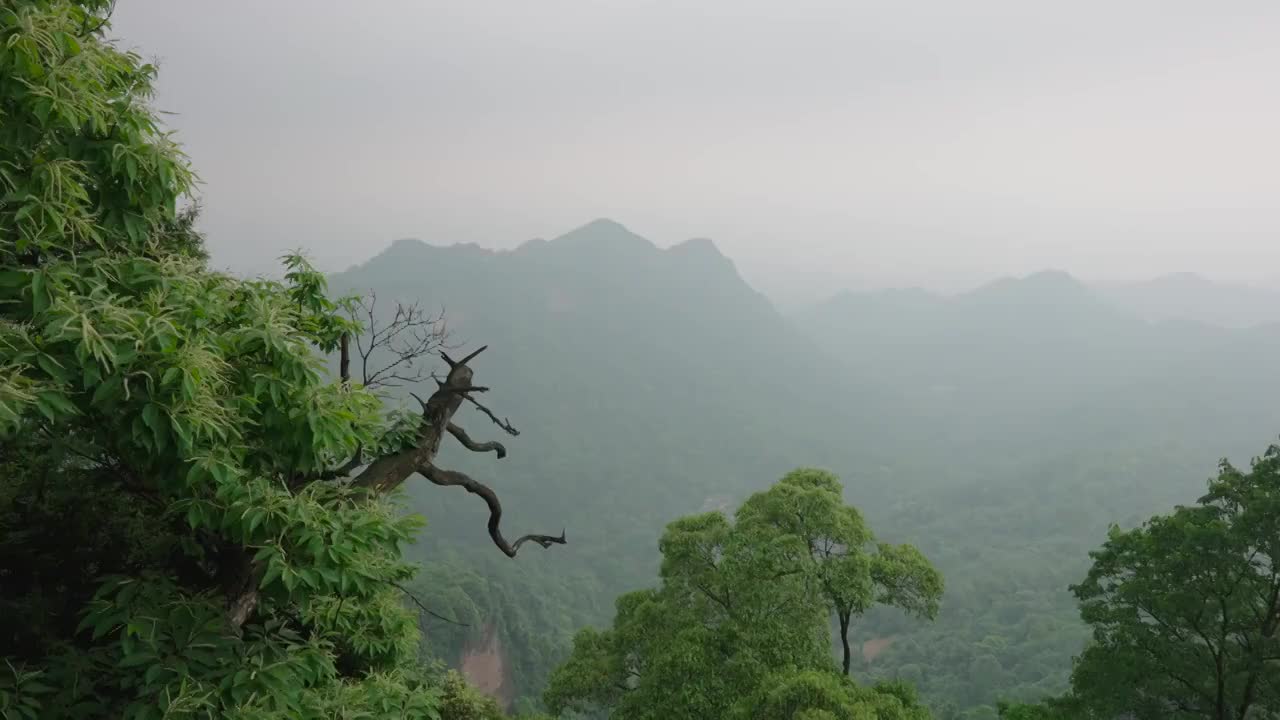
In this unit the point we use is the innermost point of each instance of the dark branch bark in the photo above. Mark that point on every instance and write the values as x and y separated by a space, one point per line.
388 472
453 478
344 358
240 579
473 446
504 423
456 363
844 639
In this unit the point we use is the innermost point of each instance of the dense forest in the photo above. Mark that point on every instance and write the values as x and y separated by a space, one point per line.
674 388
591 477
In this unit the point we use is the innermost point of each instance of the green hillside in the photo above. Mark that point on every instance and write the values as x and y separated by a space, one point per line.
1001 431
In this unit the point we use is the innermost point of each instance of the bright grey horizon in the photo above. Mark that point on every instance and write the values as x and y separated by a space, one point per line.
820 144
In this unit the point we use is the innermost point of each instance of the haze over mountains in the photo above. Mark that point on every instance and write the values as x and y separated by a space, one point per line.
650 383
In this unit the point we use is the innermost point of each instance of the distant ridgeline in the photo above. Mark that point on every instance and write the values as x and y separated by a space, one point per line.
1001 431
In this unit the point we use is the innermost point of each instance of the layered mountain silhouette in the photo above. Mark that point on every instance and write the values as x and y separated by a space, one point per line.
666 348
1192 297
650 382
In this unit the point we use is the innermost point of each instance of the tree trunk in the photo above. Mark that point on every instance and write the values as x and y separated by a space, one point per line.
844 639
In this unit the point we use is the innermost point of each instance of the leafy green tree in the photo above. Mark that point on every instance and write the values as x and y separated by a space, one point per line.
181 534
818 695
739 602
731 608
852 571
1185 608
1048 710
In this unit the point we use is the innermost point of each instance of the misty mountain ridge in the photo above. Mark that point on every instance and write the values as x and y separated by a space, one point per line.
683 322
1189 296
600 239
609 250
658 380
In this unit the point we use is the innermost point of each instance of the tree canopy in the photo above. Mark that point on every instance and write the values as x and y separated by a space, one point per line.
178 533
1185 608
740 621
851 570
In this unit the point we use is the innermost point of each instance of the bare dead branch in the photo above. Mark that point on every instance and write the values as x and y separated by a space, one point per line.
418 397
389 471
473 446
406 341
455 363
453 478
473 355
504 423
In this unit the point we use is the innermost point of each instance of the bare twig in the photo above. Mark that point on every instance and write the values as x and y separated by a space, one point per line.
423 607
407 339
504 423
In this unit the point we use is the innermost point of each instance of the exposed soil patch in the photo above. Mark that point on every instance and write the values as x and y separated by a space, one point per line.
485 666
871 649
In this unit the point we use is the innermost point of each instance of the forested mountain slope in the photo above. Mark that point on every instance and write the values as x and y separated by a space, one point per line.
1000 431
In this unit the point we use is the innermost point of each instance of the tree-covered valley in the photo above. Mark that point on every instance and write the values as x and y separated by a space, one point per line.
592 477
1002 432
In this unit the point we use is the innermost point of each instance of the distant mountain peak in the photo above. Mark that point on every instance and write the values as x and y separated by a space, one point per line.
1183 279
415 248
1056 281
405 245
702 252
602 232
1060 278
701 245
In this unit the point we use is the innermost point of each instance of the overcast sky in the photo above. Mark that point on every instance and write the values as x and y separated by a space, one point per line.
838 142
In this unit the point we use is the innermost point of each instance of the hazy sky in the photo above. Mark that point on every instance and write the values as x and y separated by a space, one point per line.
844 142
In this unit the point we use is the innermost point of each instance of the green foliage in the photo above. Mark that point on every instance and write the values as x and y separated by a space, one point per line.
1000 438
739 603
1184 609
460 701
1048 710
524 614
851 571
172 545
817 695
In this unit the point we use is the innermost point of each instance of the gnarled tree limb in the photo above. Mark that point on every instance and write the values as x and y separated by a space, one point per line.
474 446
453 478
388 472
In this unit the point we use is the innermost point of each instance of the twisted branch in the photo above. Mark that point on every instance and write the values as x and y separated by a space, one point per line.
473 446
453 478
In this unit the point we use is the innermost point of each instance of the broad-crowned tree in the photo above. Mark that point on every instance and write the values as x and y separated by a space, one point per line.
742 615
852 570
1185 608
